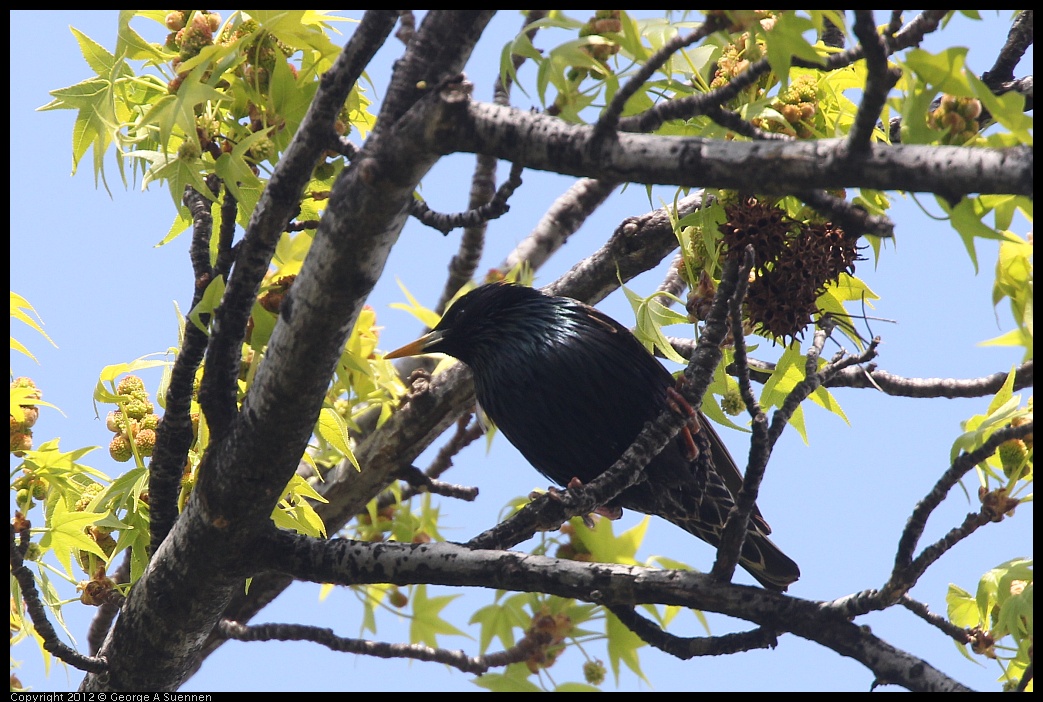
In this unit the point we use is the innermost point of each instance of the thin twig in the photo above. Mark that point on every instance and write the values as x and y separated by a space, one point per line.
325 637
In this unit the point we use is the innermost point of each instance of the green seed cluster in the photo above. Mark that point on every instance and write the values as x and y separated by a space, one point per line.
135 421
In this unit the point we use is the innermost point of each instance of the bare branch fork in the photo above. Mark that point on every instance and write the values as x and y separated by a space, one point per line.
907 569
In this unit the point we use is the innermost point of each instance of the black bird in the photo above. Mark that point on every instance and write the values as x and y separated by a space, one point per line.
571 388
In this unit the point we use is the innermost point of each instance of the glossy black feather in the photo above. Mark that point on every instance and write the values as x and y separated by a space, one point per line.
571 388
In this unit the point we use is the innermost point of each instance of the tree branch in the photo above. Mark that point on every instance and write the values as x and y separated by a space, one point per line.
38 613
325 637
352 563
770 167
685 648
907 570
734 532
478 215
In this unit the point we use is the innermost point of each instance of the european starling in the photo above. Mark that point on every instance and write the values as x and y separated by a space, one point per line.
571 388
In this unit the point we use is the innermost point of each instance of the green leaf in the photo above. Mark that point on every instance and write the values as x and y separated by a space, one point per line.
96 55
651 317
967 219
110 373
576 687
785 41
125 491
1005 394
499 621
605 547
295 512
426 316
25 397
514 679
182 222
24 312
1007 109
980 427
297 28
332 428
623 645
134 534
95 118
210 301
290 97
131 44
847 288
962 609
62 469
178 110
1015 337
64 534
177 172
789 370
944 71
427 623
824 399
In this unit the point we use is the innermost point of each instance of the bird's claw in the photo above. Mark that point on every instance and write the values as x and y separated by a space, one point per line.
612 513
678 404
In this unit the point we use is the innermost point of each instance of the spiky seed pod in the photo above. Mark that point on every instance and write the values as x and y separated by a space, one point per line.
32 414
87 496
732 403
119 449
1013 456
130 384
594 672
794 263
21 442
116 422
135 409
145 442
149 421
757 223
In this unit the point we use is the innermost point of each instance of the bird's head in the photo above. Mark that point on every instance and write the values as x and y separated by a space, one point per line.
488 318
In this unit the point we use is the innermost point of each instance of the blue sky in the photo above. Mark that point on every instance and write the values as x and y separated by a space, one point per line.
89 264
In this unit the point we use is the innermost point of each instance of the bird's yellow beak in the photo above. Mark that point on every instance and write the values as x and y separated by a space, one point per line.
415 348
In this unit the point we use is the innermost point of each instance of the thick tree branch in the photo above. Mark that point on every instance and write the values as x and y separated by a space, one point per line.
1019 39
271 432
278 201
174 434
638 244
771 167
347 562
